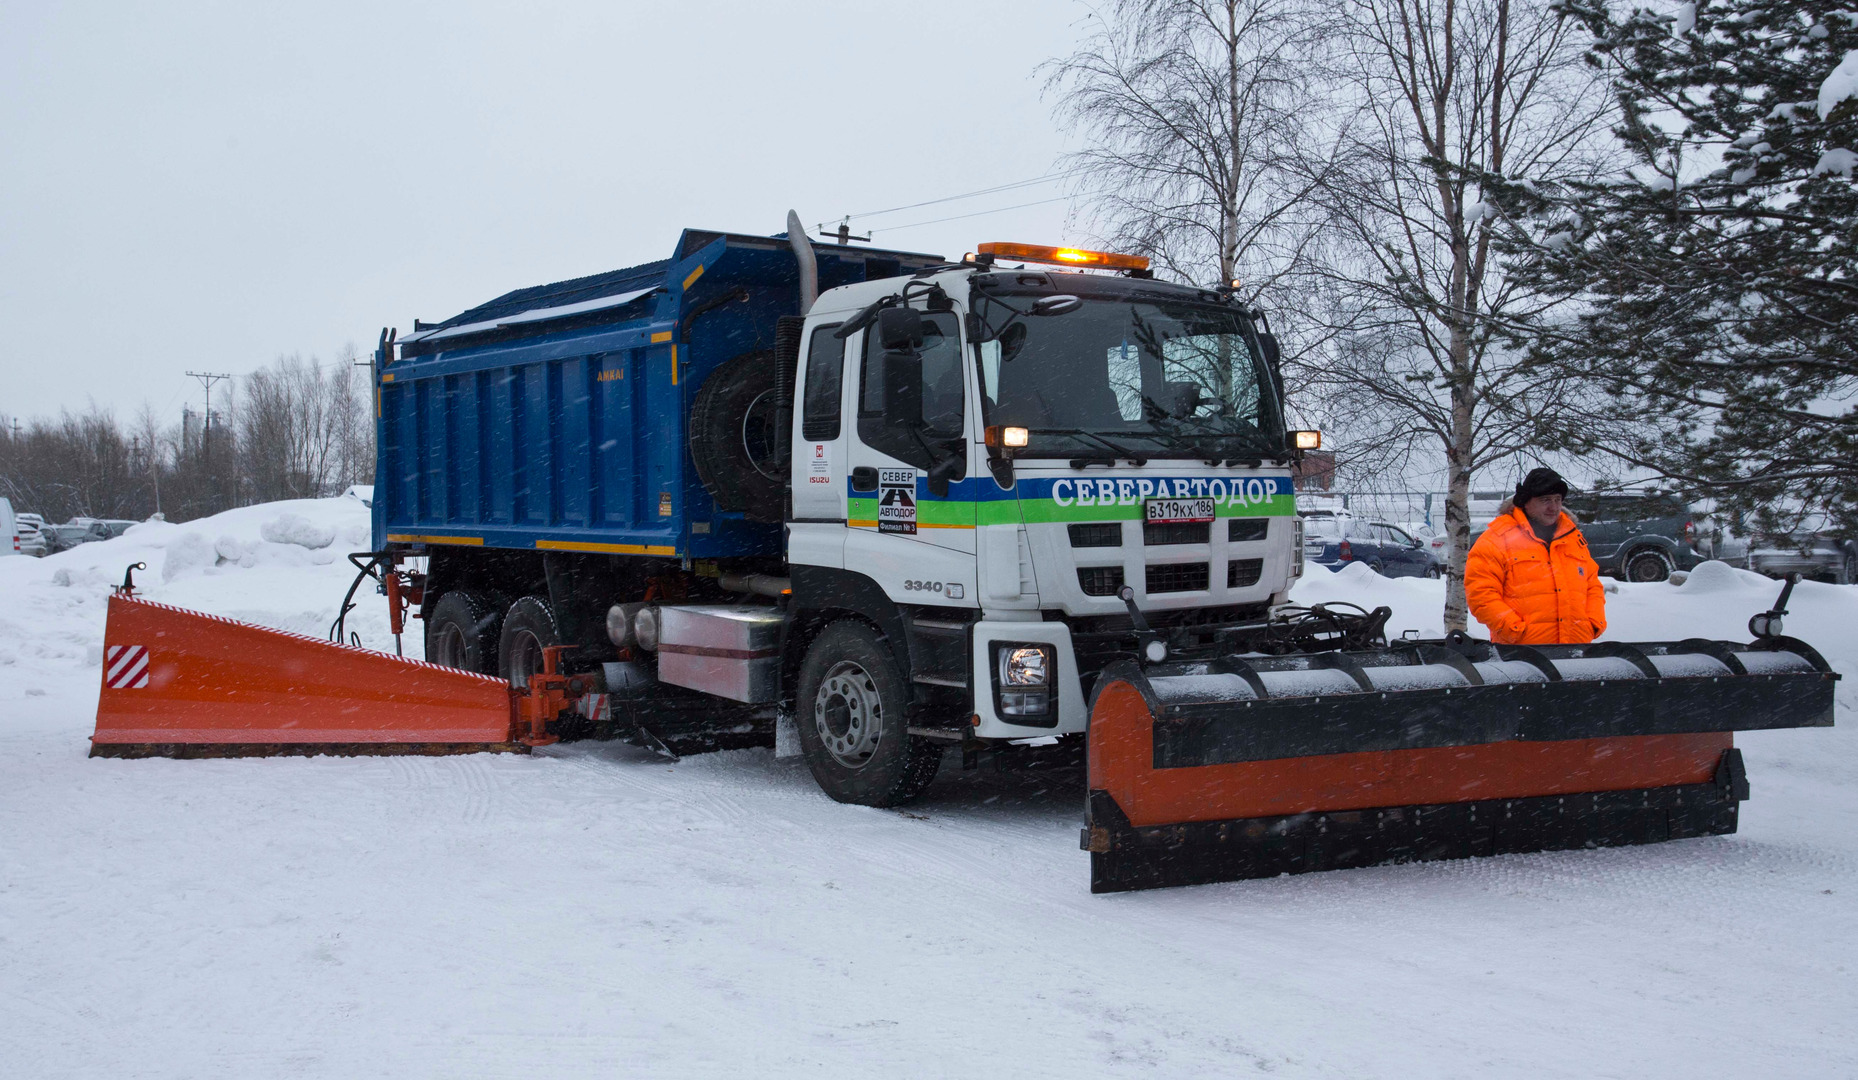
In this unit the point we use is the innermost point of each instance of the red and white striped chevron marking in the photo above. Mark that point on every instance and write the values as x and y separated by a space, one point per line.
125 667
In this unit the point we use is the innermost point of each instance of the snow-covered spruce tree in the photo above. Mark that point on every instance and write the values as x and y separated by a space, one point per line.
1720 277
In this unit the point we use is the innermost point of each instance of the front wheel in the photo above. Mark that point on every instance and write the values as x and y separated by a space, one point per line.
851 711
1848 570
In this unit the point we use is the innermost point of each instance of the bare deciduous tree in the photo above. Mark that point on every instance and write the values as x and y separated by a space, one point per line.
1191 109
1440 94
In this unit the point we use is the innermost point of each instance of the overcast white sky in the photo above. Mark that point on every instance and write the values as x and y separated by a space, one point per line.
206 186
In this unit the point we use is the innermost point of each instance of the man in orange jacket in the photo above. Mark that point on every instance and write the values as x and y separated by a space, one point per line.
1529 578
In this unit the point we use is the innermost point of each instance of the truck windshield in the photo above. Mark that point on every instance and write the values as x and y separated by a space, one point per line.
1160 377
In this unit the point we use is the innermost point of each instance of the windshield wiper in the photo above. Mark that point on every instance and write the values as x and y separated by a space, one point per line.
1113 447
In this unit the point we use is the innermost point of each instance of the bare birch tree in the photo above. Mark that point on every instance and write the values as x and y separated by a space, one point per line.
1440 94
1191 109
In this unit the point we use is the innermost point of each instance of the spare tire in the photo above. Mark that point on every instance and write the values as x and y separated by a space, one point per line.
739 436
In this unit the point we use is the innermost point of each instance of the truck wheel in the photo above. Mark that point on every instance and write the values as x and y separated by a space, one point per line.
1647 564
851 714
1848 570
527 630
736 439
463 632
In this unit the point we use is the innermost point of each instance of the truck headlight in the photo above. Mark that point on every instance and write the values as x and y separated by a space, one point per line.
1024 665
1023 683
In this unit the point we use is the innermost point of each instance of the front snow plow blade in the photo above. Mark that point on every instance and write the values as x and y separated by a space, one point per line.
1258 766
177 683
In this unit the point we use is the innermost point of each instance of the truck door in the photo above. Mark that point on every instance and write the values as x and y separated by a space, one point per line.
816 535
912 534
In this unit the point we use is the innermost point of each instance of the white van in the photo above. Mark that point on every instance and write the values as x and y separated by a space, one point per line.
9 529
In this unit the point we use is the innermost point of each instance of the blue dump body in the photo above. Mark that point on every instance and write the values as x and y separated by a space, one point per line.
555 417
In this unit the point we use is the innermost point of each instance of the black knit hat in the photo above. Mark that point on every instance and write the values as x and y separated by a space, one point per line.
1539 482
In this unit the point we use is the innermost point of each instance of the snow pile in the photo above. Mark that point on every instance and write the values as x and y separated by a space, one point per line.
299 530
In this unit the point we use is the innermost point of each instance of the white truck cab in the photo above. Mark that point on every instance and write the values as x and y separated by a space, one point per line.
1002 452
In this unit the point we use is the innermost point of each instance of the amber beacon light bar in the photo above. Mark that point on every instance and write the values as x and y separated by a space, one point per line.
1064 256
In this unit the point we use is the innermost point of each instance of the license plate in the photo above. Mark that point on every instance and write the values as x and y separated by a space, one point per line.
1177 509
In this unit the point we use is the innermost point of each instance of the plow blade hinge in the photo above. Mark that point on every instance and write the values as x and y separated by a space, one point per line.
177 683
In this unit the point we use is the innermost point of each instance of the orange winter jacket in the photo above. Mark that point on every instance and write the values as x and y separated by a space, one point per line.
1531 593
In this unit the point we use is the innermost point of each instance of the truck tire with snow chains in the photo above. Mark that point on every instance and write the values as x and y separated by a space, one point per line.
463 632
851 712
736 439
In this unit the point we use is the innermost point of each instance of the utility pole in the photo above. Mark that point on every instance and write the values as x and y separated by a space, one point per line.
207 379
844 233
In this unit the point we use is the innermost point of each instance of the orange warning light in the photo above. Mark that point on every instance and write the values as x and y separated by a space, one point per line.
1064 256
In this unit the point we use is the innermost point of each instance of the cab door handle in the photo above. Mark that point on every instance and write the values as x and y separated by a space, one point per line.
864 478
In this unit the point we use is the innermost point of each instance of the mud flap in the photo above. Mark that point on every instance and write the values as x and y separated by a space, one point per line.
1255 767
177 683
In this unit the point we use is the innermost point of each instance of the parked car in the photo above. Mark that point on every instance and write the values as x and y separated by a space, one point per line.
1334 537
31 535
1642 536
1432 538
1808 553
74 532
9 529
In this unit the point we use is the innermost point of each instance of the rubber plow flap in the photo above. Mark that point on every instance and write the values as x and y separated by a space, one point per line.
177 683
1258 766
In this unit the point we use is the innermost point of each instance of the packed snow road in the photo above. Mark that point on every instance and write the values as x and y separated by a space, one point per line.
592 909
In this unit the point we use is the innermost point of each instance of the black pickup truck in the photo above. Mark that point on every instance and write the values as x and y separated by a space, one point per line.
1637 536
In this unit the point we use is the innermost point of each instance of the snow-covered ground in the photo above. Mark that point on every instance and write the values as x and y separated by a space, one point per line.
593 910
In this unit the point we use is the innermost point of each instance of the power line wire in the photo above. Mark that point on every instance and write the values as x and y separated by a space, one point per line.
1046 179
977 213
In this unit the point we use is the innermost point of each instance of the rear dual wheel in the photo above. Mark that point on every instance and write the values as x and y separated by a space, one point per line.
528 628
463 631
852 710
472 631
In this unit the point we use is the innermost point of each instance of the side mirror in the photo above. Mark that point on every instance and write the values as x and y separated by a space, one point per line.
899 329
1056 305
1267 343
903 387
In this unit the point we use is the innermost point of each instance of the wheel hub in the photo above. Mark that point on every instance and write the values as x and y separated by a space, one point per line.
849 714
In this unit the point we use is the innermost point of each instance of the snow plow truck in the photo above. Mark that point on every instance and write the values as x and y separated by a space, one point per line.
913 507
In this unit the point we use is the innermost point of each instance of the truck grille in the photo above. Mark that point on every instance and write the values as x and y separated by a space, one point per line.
1100 580
1176 577
1239 529
1156 533
1108 534
1241 573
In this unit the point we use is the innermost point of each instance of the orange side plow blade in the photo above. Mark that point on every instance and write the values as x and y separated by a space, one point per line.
177 683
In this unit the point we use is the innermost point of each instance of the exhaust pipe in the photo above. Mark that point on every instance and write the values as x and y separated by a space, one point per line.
809 266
